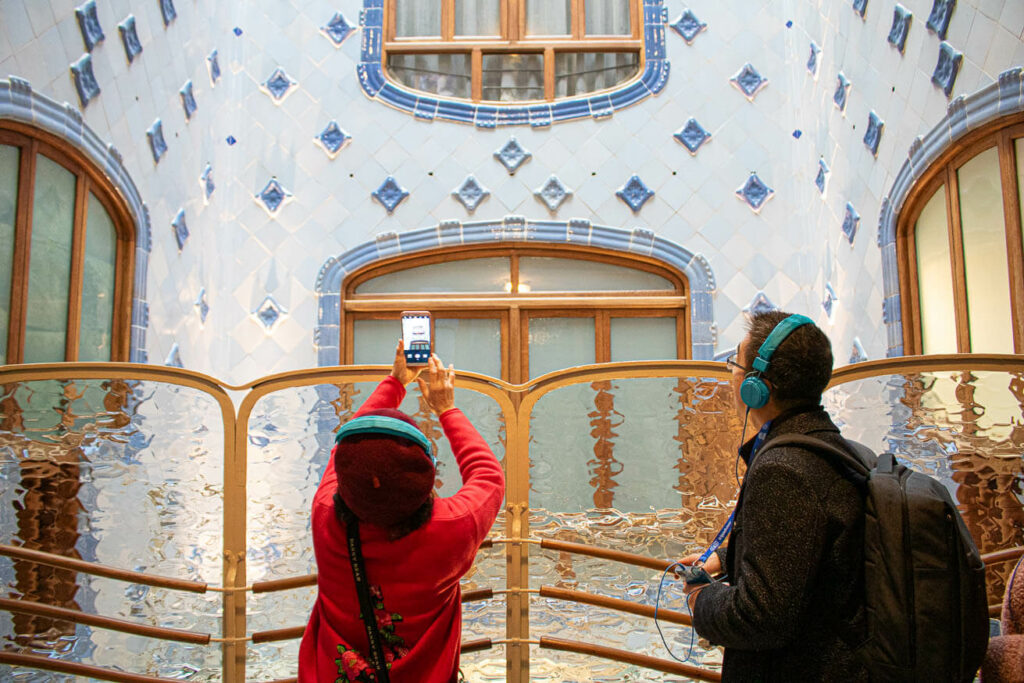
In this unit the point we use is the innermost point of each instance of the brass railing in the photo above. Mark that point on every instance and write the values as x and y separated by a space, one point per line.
515 403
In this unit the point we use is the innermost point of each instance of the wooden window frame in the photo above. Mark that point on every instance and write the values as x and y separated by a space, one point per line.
513 39
31 143
514 309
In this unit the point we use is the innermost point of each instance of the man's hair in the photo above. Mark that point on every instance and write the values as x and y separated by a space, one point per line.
801 366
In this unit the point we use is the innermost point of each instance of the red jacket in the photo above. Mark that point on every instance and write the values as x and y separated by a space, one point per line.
414 580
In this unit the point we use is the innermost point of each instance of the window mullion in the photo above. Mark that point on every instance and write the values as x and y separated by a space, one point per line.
447 19
392 20
956 250
476 86
1014 249
578 19
22 252
77 261
518 348
602 336
549 73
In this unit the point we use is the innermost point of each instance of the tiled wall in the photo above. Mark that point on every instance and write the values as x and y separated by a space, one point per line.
247 204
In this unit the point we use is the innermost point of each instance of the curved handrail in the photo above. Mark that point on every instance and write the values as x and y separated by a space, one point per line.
646 661
607 554
616 604
76 669
1003 555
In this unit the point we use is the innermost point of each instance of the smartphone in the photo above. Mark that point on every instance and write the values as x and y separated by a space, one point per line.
416 337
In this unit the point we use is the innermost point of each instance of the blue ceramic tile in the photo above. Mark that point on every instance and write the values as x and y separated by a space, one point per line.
337 29
759 304
828 302
635 193
873 135
821 178
860 7
812 60
754 192
89 25
174 357
278 84
188 100
857 354
180 229
553 192
231 140
167 11
273 196
268 313
202 305
206 182
947 68
85 81
130 38
237 31
688 26
749 81
692 136
390 194
850 222
938 20
332 139
512 155
157 146
901 17
470 193
214 63
842 90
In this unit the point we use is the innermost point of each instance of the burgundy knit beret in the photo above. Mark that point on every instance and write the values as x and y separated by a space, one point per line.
382 478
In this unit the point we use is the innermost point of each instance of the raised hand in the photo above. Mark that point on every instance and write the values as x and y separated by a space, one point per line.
438 388
400 370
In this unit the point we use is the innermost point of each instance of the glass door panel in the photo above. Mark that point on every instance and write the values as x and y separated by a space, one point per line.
472 344
9 157
98 271
559 343
643 339
935 277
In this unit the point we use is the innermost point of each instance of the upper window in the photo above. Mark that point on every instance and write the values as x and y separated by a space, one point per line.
512 50
66 248
959 246
516 313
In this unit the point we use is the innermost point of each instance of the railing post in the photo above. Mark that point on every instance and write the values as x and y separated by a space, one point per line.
235 466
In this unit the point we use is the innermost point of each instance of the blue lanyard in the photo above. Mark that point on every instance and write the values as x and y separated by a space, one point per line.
726 529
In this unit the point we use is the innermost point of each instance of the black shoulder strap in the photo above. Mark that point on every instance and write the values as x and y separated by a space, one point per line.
366 613
859 464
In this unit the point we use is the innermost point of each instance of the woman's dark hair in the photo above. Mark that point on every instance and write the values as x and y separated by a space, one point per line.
418 518
801 366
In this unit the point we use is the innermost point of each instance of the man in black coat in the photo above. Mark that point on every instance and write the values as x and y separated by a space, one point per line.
791 608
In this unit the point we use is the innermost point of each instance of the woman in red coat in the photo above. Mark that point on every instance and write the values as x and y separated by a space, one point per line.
416 547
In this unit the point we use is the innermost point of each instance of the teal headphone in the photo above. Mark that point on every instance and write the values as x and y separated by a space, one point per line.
754 392
387 426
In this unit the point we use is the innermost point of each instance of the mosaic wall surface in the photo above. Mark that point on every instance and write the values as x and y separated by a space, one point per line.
767 149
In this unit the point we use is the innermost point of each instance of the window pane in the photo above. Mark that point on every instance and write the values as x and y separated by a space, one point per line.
468 275
53 213
417 18
472 344
548 17
558 343
8 210
607 17
374 341
984 234
577 73
549 274
446 74
97 326
477 17
643 339
935 277
513 77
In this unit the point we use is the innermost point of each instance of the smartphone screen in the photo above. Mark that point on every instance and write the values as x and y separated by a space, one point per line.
416 336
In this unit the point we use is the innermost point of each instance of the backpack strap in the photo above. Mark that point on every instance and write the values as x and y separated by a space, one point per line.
859 463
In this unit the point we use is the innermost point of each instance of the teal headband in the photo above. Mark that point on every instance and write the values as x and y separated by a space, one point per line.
387 426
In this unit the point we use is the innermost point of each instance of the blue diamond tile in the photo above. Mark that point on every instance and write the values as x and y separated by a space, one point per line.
947 68
821 178
180 229
188 100
812 60
89 25
938 20
749 81
237 31
85 81
390 194
512 155
157 146
202 305
759 304
268 313
333 139
634 193
873 135
842 90
167 11
337 29
130 38
860 7
857 354
470 193
278 84
828 302
754 192
901 17
174 357
214 63
688 26
692 136
850 222
553 192
206 182
230 140
273 196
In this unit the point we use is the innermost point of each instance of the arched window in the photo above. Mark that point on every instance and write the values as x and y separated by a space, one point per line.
512 50
959 247
517 312
66 254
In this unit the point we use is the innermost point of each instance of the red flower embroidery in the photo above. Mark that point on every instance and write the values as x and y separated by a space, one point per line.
353 666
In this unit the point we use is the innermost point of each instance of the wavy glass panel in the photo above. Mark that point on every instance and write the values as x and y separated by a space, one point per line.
935 277
557 343
128 474
291 433
550 274
578 73
97 327
643 339
447 75
512 77
9 157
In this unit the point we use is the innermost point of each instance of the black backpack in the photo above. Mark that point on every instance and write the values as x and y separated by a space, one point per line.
924 580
